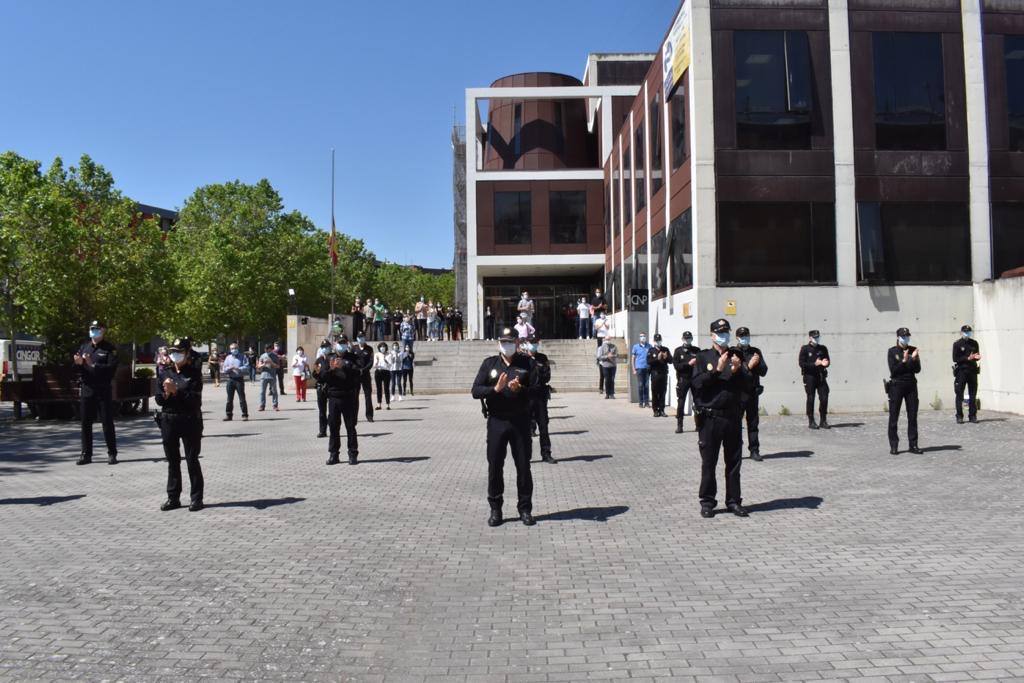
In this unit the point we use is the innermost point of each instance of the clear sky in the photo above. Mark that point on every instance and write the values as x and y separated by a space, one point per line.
173 95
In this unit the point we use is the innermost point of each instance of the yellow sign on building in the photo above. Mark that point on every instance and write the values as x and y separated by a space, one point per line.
730 307
675 53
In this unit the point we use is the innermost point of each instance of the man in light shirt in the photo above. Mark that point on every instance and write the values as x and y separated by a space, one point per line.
235 367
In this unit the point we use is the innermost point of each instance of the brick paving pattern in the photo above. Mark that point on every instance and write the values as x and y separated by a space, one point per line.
854 565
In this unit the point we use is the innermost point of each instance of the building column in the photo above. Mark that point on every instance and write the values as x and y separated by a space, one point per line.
702 161
842 121
473 311
977 141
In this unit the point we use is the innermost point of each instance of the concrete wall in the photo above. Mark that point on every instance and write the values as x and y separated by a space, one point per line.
999 329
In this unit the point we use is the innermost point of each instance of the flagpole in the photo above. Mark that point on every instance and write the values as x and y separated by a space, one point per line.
334 265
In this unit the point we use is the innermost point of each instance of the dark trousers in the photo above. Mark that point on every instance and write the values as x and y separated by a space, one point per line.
215 372
608 377
539 416
378 330
100 402
720 432
643 383
898 393
969 379
682 387
489 328
366 384
345 407
814 384
236 386
659 385
421 329
383 381
177 431
321 407
407 381
505 434
750 409
280 380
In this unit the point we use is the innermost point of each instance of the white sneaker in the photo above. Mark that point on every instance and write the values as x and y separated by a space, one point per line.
400 398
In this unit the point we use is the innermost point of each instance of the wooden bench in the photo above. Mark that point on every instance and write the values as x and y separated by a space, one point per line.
54 391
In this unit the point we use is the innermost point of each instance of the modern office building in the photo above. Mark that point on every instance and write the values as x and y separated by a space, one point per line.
851 166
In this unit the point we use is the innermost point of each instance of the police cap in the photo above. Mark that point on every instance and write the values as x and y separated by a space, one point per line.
688 336
182 344
966 328
721 325
743 332
657 337
97 323
325 344
903 332
343 339
814 333
508 334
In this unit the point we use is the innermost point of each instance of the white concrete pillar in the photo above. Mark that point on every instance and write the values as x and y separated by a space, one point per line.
977 141
474 296
842 121
702 160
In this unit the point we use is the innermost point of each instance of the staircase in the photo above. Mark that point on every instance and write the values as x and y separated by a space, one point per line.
449 367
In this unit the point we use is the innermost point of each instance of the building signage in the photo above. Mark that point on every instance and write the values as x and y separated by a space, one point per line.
639 300
675 53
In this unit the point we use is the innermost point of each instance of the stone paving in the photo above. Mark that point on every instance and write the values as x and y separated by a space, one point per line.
854 564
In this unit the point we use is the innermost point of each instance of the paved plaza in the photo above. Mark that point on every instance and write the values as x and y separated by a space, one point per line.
854 564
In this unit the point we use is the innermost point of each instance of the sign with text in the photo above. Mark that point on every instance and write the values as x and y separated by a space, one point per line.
675 53
639 300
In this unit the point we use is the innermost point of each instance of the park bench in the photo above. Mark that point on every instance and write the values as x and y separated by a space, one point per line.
54 392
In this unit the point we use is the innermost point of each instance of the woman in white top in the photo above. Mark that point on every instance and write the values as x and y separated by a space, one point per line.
601 327
585 327
300 368
382 374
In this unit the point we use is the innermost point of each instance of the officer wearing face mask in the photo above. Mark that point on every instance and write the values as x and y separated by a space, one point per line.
180 395
749 401
342 383
364 361
719 380
657 362
684 358
966 355
814 362
96 362
506 382
904 364
320 367
539 402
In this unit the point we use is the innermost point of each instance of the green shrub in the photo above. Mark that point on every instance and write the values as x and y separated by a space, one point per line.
784 411
144 373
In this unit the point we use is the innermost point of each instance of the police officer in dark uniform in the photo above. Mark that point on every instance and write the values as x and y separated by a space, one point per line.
749 401
720 378
657 362
364 361
814 362
320 367
904 364
506 382
96 362
684 358
180 395
966 355
342 381
539 401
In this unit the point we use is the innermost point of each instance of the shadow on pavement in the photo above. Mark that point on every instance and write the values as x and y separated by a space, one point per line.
562 417
935 449
585 458
41 500
259 504
846 424
993 419
402 460
400 419
377 434
593 514
230 436
806 503
788 454
34 446
575 431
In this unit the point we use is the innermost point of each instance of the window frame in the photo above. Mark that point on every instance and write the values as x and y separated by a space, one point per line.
519 202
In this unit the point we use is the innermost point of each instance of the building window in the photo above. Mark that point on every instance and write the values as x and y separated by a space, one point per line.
639 174
1013 52
639 268
680 249
512 218
783 242
608 215
616 220
913 242
568 214
614 290
627 185
910 110
773 89
1007 236
517 129
659 274
677 129
627 276
657 159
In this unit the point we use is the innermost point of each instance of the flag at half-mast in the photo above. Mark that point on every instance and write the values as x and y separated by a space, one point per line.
332 244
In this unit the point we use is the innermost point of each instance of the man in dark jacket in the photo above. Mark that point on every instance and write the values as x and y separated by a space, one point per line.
684 358
180 395
814 362
966 355
539 402
749 401
342 382
904 364
320 367
657 363
364 361
96 362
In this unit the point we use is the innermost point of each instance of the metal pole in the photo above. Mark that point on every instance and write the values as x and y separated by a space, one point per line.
335 246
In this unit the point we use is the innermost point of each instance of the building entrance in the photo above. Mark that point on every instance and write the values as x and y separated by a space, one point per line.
554 303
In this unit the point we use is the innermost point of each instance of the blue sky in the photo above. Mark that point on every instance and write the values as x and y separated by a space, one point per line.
173 95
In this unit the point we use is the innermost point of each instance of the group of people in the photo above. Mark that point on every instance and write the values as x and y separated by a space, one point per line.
425 321
585 319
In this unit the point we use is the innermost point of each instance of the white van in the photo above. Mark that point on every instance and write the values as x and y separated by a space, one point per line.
29 354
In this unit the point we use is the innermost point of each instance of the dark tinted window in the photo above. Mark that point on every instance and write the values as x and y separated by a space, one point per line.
627 185
640 267
773 90
638 147
677 128
1014 54
659 272
512 218
910 110
568 211
627 273
657 158
517 129
615 290
1007 236
608 215
761 242
680 249
913 242
615 204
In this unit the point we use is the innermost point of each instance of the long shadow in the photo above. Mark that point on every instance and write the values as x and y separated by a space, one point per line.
264 419
842 425
121 460
230 436
370 436
568 433
412 408
41 500
400 419
936 449
34 446
259 504
401 460
585 458
805 503
591 514
562 417
788 454
993 419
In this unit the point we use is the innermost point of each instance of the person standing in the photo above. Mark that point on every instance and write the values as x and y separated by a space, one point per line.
213 361
719 380
300 368
684 358
358 319
750 399
380 312
282 356
96 363
250 360
235 369
363 353
638 363
607 357
488 324
396 370
658 359
406 359
431 321
369 327
904 364
180 395
382 374
586 327
342 381
966 354
523 328
407 332
421 319
600 332
506 383
598 304
525 307
459 322
539 401
814 362
268 365
320 368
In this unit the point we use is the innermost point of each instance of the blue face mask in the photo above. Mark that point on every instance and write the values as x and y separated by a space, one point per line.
743 341
904 341
721 339
968 334
236 353
95 333
341 348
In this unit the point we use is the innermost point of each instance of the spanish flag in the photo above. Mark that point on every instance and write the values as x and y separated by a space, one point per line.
332 244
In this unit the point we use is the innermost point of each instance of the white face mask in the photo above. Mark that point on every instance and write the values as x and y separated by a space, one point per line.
643 340
507 349
177 358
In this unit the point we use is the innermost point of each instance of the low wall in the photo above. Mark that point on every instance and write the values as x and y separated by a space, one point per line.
999 329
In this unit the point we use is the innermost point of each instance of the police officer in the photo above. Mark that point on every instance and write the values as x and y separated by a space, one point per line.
96 362
320 367
539 401
904 364
657 362
364 361
719 379
180 395
814 362
684 358
506 382
965 374
749 401
342 381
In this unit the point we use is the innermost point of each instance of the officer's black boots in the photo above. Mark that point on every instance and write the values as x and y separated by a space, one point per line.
824 424
333 460
974 420
546 457
894 451
738 510
495 518
811 424
756 455
321 435
679 426
707 512
352 458
527 518
170 505
196 506
915 450
112 459
960 420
